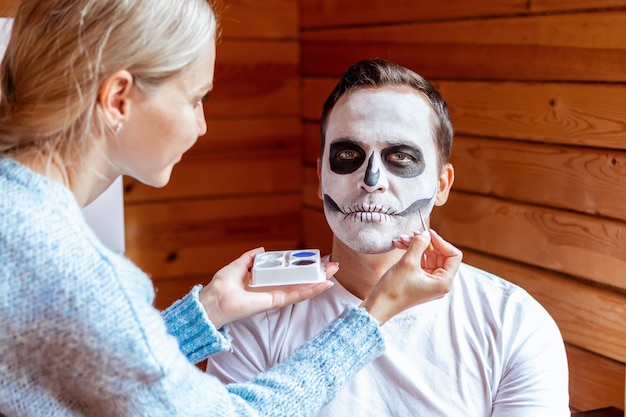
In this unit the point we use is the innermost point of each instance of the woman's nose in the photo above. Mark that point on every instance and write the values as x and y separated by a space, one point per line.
202 126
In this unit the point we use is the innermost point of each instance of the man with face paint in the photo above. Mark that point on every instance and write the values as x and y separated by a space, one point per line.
485 349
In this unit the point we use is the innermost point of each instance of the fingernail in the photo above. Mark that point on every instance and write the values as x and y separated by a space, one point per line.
422 235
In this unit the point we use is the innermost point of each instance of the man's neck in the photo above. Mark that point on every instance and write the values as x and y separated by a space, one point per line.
358 272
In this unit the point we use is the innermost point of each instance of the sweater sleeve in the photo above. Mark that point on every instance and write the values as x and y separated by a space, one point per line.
188 322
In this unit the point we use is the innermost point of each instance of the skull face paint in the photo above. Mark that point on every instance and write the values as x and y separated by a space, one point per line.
379 166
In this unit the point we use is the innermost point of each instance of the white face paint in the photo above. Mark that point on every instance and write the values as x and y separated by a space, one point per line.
379 166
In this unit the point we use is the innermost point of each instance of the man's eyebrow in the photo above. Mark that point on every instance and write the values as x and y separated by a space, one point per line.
383 145
401 145
345 139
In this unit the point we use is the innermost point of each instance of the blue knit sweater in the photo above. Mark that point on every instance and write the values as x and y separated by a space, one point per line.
79 334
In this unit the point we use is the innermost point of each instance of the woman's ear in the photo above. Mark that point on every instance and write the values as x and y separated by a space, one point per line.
446 178
114 97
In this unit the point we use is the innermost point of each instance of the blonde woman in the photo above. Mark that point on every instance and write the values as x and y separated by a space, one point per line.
91 90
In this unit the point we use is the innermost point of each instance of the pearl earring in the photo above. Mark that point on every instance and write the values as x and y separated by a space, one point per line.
118 128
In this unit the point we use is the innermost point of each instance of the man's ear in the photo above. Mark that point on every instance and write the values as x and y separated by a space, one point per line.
319 179
446 178
114 97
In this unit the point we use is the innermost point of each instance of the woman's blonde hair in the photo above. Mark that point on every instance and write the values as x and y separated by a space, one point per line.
60 52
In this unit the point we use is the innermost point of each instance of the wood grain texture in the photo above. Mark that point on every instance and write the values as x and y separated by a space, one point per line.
255 78
564 113
170 239
311 142
595 381
251 134
8 7
562 241
260 19
545 47
582 179
203 175
310 187
332 13
314 93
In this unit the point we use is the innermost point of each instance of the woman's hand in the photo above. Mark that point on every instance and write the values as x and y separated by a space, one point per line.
419 276
228 297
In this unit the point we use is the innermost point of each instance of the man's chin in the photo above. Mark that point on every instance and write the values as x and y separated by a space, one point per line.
374 251
367 246
366 238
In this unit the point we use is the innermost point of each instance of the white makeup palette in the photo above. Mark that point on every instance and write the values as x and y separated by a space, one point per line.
287 267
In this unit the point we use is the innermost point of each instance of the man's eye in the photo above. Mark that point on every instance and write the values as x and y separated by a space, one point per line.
348 154
400 158
345 157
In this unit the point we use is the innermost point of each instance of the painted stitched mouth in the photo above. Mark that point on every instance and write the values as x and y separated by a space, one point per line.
368 213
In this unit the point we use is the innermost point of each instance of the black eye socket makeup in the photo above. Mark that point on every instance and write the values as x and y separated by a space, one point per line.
345 157
403 161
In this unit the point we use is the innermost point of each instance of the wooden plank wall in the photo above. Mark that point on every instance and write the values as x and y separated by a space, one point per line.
7 7
239 186
537 97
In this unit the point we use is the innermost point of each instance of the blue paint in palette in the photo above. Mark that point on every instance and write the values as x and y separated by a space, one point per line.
303 254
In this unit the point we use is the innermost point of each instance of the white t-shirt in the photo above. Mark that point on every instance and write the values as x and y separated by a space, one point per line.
485 349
